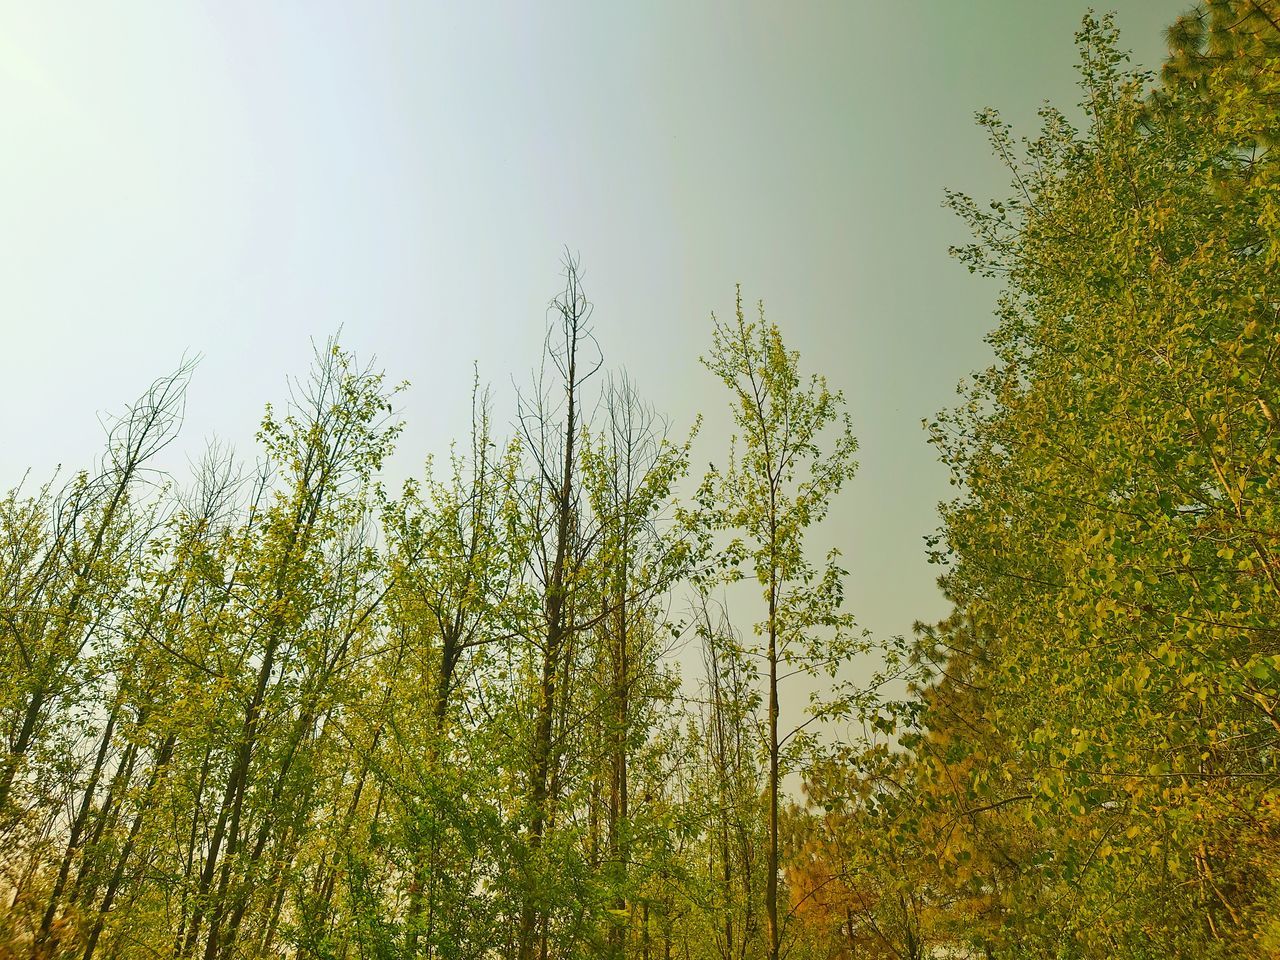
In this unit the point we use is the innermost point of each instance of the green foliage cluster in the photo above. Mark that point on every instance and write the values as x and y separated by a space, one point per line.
1091 770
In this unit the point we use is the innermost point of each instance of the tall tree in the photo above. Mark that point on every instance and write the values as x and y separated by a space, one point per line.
561 544
630 468
778 484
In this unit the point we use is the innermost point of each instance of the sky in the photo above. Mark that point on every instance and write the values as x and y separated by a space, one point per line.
234 180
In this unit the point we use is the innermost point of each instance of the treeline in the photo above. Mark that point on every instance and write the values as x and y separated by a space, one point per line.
1092 769
281 710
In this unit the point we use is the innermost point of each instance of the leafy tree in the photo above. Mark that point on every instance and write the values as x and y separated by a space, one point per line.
1111 544
779 482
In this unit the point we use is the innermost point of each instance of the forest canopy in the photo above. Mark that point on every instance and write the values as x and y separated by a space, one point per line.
548 698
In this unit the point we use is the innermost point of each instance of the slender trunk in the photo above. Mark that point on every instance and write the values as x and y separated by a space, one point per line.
326 877
232 808
771 880
573 309
22 744
78 826
113 885
619 833
189 859
422 907
530 914
240 902
269 933
727 871
85 885
555 611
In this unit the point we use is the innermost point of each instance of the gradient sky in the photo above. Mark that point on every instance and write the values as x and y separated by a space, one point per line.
233 179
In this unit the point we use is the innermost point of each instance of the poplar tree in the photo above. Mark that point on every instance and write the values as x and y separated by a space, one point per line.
779 483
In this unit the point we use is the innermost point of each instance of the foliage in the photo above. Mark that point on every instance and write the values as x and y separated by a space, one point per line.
1092 771
281 711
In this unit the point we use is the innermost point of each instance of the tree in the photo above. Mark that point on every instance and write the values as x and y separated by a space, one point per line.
629 471
454 569
1113 543
779 483
560 545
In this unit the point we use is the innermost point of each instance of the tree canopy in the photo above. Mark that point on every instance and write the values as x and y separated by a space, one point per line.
537 702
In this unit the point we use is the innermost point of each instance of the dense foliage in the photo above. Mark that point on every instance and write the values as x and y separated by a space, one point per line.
1092 770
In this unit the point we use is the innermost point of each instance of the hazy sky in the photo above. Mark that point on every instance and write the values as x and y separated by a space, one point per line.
234 178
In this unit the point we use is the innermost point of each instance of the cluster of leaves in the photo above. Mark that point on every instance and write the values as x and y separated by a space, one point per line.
1092 770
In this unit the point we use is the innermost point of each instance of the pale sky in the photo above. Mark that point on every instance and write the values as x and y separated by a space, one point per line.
233 179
